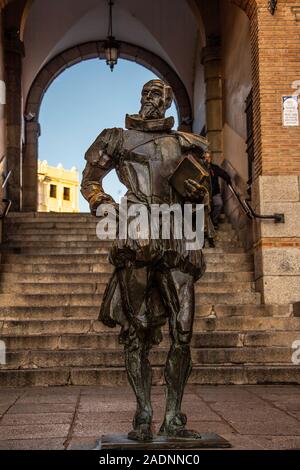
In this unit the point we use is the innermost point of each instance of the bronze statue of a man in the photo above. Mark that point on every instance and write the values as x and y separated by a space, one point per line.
153 280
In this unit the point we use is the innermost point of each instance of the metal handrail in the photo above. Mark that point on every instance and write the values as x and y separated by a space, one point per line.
251 214
7 208
6 179
8 202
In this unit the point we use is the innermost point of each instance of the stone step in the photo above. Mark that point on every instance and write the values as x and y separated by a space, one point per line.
66 217
241 324
83 326
47 216
20 266
91 312
81 248
33 228
6 275
202 287
239 259
209 375
215 339
54 297
221 248
52 288
94 287
81 268
71 228
115 357
7 279
33 214
88 235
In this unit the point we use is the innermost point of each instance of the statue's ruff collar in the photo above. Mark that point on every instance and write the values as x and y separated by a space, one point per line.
134 121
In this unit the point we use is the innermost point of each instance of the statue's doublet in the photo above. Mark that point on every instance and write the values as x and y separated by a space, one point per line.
144 161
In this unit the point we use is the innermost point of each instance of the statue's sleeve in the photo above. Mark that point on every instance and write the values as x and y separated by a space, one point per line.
100 158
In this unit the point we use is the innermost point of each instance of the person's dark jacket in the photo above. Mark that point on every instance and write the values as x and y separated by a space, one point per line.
217 172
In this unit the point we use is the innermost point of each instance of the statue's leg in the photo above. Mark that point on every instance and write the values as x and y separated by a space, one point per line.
179 364
139 375
133 286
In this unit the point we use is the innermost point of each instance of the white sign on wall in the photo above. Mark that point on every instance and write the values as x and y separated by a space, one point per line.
2 92
290 111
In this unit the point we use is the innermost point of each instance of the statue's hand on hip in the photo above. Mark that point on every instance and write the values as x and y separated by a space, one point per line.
99 199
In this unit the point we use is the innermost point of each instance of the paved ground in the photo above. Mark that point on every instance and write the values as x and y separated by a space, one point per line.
250 417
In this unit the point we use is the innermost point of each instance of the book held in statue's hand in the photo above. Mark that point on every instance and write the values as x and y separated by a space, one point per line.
188 168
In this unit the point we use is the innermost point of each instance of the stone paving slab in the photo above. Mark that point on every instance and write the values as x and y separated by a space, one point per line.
33 431
278 442
33 444
37 418
33 408
250 417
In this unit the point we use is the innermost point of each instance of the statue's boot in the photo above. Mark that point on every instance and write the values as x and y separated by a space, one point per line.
175 427
139 375
177 371
142 430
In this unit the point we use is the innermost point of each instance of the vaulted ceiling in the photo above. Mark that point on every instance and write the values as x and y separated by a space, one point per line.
169 29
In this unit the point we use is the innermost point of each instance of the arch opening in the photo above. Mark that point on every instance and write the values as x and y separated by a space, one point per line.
78 105
155 65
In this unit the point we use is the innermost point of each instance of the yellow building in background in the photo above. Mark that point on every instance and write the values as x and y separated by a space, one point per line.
58 189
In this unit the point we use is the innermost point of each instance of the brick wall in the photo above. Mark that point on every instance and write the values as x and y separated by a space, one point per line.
275 44
276 65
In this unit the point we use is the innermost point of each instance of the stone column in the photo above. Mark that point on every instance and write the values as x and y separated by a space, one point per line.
2 119
14 51
2 107
211 59
30 167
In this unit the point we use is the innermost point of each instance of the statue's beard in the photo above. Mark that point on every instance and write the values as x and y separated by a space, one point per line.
150 111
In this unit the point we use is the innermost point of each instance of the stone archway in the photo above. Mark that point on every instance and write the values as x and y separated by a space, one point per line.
55 67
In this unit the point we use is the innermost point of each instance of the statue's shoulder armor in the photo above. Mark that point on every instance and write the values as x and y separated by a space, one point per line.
190 142
108 142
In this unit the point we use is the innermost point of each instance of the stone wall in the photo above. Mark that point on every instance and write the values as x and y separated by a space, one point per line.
277 246
237 83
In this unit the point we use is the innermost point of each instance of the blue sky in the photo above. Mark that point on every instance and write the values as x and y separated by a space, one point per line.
82 101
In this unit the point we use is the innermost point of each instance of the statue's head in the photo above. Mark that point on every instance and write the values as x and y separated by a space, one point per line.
156 98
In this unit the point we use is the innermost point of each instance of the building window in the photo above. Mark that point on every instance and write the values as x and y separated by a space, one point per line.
53 190
67 194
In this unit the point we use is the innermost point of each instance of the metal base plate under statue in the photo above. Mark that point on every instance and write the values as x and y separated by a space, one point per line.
121 442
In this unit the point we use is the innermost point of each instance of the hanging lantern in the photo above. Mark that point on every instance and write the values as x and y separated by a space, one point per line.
111 46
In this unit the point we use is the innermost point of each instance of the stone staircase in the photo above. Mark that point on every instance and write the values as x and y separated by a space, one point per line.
53 274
